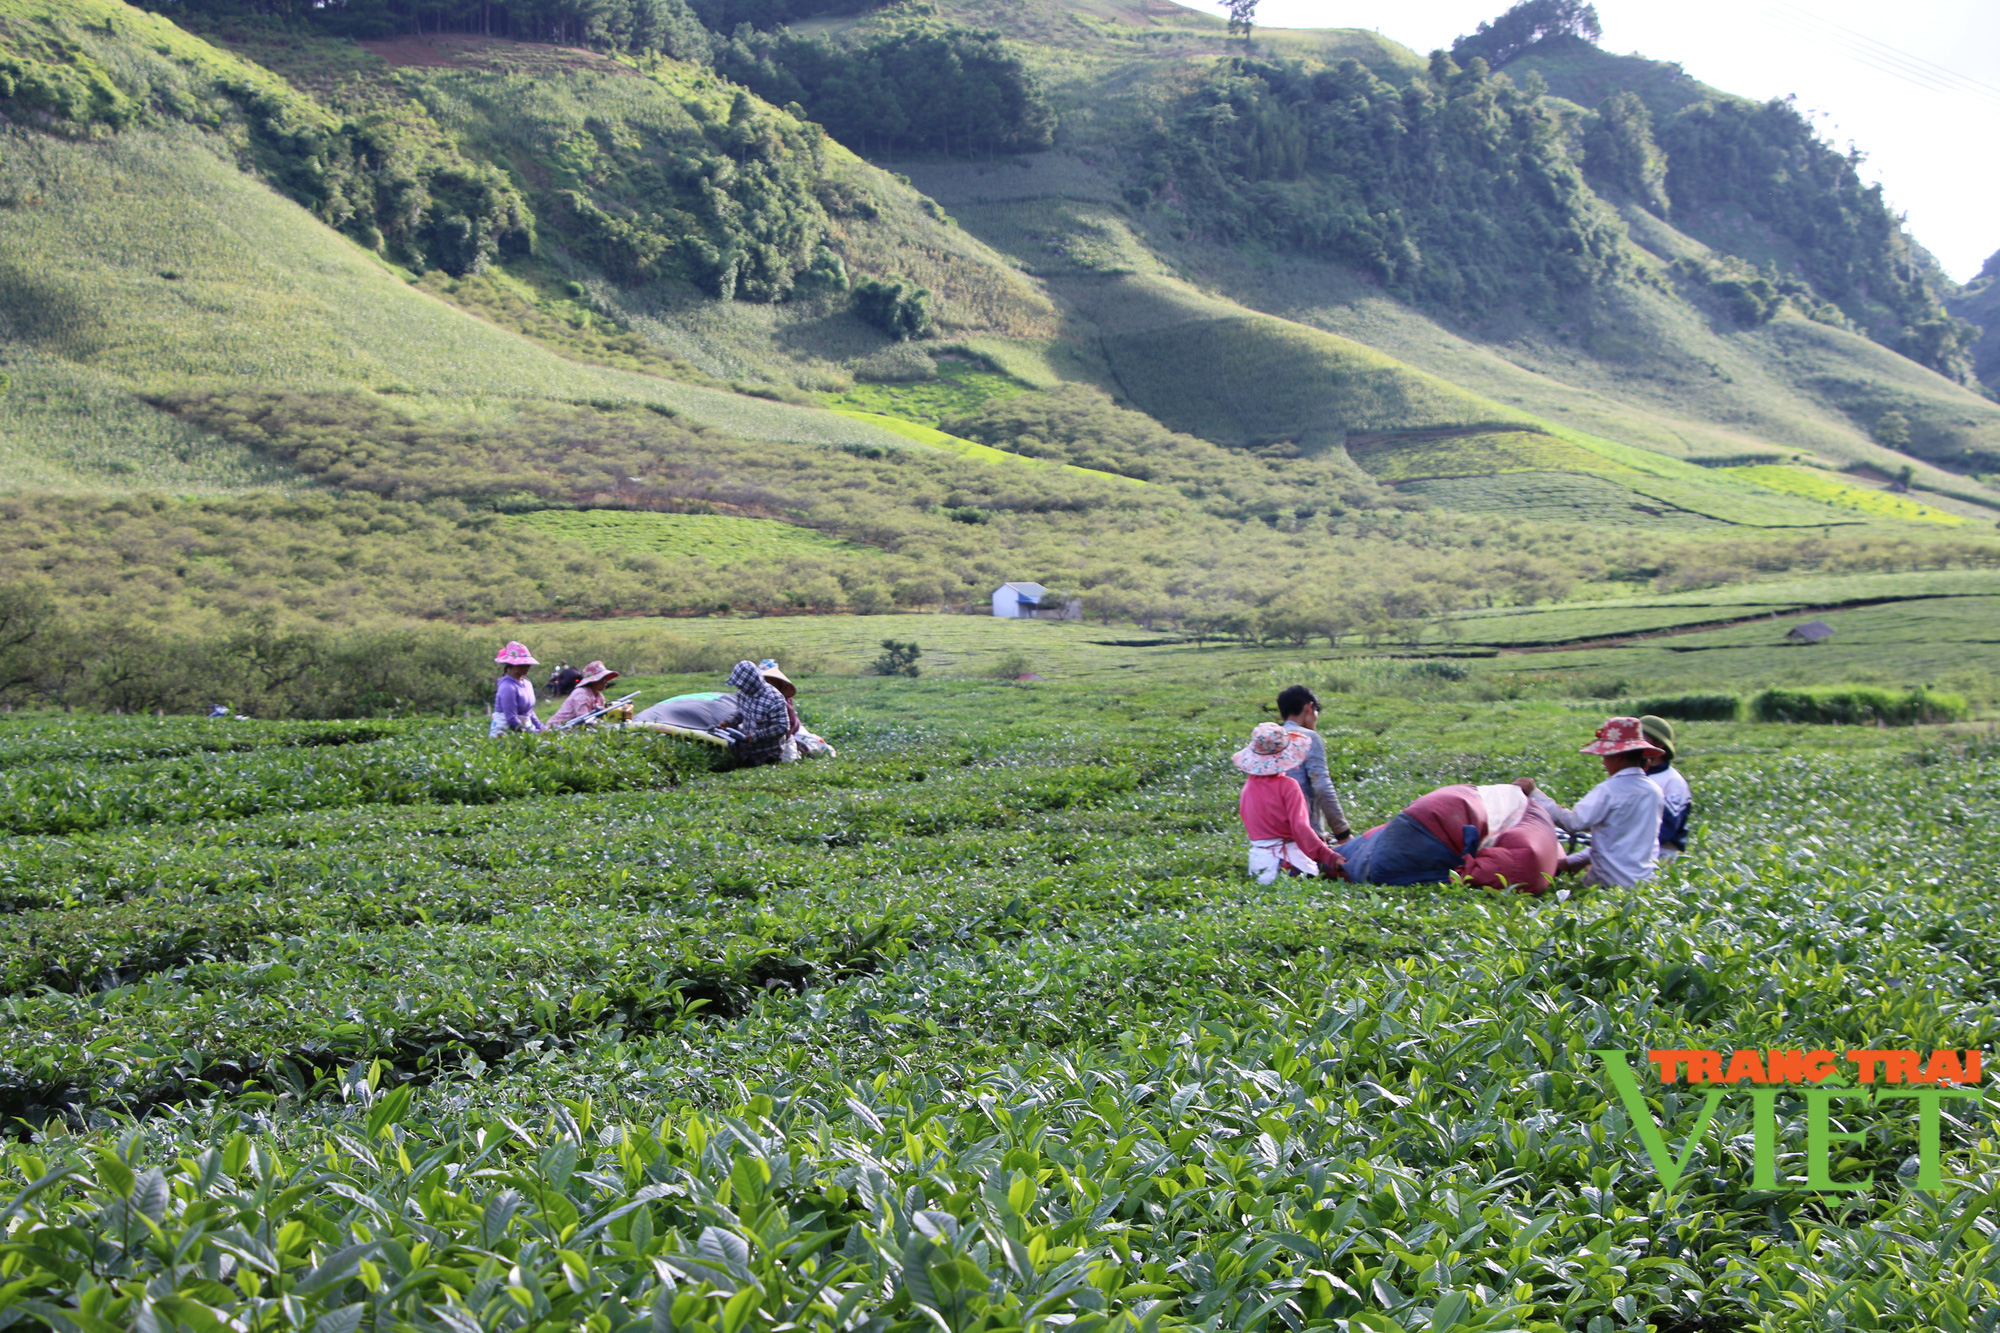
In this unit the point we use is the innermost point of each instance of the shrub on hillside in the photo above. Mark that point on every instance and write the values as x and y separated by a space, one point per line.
1857 705
1082 426
1688 707
900 309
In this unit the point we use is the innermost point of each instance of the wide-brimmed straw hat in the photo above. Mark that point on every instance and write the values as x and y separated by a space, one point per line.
1272 749
1621 735
596 674
1661 733
769 670
515 654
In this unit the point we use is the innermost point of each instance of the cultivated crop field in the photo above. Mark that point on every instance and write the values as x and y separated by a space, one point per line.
1558 497
1818 486
978 1026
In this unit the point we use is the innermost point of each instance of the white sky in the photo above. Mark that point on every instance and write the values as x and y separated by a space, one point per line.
1915 85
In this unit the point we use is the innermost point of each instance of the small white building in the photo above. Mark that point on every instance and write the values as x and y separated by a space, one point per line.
1018 601
1031 601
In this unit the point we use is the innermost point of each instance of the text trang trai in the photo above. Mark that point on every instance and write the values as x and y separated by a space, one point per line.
1867 1078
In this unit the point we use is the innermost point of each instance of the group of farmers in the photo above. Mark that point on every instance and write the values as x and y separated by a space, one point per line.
1503 835
758 721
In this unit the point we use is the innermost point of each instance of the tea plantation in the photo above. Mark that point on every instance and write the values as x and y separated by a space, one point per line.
979 1026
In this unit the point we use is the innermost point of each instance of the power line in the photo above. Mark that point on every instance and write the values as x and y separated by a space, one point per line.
1879 55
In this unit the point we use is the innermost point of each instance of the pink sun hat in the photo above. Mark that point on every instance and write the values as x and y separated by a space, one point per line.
1622 735
515 654
1272 749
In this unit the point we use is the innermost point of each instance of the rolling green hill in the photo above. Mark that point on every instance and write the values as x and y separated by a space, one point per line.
605 290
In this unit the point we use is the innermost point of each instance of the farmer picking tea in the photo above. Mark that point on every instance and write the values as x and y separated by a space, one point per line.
513 696
587 696
1621 813
1274 807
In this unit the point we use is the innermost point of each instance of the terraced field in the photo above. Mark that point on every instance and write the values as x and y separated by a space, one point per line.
1558 497
1818 486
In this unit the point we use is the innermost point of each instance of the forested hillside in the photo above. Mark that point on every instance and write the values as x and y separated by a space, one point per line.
1979 305
1305 336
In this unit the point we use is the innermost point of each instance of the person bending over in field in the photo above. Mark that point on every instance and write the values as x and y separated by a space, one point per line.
1300 711
763 722
1621 813
1493 836
513 696
1524 857
1274 809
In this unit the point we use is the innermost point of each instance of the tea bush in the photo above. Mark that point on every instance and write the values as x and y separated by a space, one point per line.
978 1026
1854 704
1694 707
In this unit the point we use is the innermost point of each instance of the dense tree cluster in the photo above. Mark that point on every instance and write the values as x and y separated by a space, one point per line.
731 204
1527 24
709 186
923 87
261 664
900 309
1619 151
1766 160
1455 190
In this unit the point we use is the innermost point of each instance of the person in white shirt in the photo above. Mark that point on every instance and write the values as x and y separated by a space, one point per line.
1621 813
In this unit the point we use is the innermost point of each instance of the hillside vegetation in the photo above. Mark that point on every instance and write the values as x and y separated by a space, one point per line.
457 274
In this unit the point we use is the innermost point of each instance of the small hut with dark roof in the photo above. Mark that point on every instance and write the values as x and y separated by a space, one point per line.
1811 632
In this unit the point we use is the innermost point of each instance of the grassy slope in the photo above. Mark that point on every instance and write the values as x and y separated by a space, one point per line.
1653 372
1210 368
148 261
263 295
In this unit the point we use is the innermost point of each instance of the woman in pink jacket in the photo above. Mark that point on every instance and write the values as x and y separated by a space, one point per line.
1274 808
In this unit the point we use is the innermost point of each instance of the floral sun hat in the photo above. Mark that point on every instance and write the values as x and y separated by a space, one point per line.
515 654
1272 749
1621 735
596 674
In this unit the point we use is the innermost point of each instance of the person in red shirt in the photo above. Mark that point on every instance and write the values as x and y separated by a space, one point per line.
1274 808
